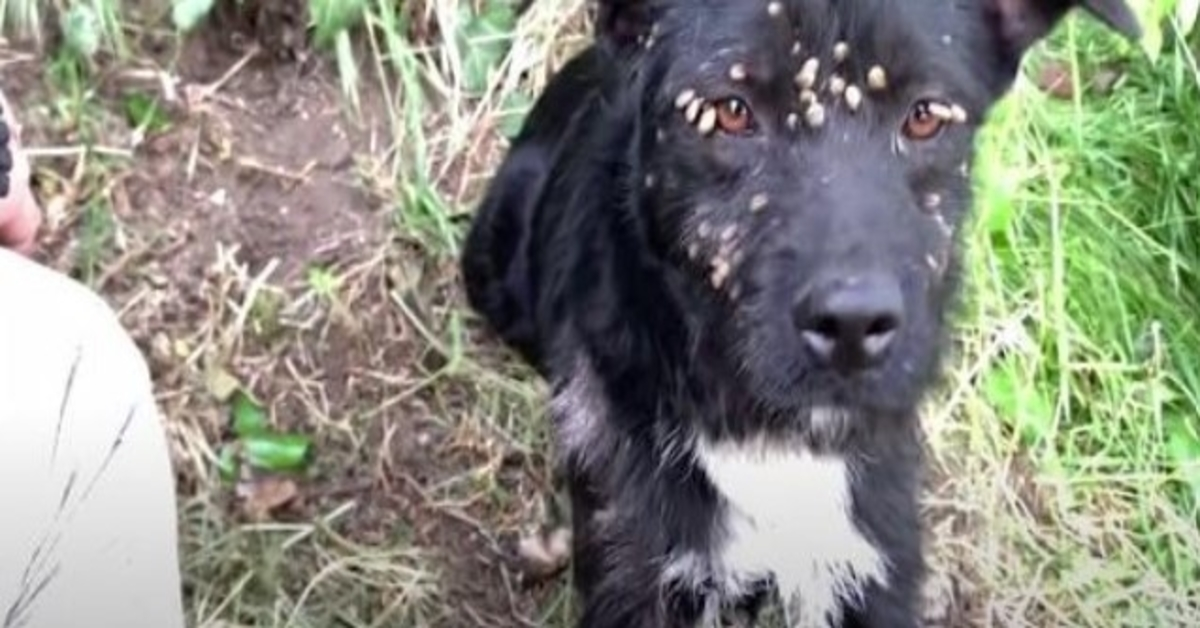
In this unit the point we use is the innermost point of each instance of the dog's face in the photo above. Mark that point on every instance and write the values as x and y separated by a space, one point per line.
806 166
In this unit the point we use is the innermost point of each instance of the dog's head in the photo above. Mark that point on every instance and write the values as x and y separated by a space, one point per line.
806 167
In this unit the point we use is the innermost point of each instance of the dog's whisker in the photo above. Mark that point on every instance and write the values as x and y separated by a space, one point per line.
737 72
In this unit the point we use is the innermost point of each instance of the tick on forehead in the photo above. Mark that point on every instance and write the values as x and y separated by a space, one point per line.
826 75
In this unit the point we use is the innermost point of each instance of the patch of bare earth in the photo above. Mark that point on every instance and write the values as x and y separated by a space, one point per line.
408 514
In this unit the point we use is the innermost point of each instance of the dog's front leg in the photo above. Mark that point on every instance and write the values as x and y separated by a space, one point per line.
628 600
894 606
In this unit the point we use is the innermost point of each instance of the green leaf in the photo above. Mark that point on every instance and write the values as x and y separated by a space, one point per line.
81 30
142 110
187 14
484 40
323 282
228 463
248 418
1184 448
1019 403
514 108
278 452
329 18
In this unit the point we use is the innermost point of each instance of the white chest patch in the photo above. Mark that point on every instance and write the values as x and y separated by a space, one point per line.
788 514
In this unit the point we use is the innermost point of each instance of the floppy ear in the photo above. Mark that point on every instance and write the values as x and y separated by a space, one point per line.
623 23
1021 23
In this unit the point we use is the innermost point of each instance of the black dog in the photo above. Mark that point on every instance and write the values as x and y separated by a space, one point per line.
727 236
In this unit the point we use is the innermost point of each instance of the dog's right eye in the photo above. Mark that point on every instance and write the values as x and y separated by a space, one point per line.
733 116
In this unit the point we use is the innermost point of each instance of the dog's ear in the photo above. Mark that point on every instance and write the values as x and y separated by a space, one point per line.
623 23
1020 24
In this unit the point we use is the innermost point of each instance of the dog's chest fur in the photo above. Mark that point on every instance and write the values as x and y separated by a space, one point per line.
787 513
784 512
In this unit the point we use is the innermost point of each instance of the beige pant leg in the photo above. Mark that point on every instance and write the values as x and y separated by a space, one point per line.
87 504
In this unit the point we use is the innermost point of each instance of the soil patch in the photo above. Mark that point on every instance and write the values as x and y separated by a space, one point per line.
204 237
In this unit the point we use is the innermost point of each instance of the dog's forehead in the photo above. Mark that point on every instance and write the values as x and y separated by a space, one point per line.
774 39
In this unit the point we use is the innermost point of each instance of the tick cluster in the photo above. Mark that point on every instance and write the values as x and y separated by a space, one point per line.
814 98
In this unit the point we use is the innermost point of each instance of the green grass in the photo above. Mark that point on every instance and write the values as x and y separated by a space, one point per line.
1082 336
1068 440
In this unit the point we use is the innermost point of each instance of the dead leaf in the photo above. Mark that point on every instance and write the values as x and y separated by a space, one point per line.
1055 79
544 556
263 496
221 384
1106 79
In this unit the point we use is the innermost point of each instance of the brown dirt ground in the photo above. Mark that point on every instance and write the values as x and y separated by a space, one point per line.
262 171
265 172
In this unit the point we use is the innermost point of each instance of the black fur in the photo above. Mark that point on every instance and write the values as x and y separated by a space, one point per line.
6 156
591 248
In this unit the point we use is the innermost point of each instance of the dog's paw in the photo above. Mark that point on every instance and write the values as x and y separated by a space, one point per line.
542 556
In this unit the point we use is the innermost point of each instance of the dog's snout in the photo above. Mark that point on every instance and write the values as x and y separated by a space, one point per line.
849 322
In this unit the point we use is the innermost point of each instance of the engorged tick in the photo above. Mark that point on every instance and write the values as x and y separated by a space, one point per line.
815 115
854 97
685 98
841 50
807 77
708 120
877 78
837 85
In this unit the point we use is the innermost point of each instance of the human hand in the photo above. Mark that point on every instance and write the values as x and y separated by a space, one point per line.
20 215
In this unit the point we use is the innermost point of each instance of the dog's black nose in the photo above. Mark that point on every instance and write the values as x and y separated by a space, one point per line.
850 321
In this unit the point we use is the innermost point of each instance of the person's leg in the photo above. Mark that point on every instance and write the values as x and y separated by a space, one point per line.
87 503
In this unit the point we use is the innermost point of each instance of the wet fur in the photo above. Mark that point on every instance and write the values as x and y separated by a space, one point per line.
599 276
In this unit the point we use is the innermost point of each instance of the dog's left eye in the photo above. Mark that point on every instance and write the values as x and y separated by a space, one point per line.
733 115
923 121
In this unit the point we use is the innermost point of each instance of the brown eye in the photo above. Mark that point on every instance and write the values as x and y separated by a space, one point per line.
733 115
924 120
